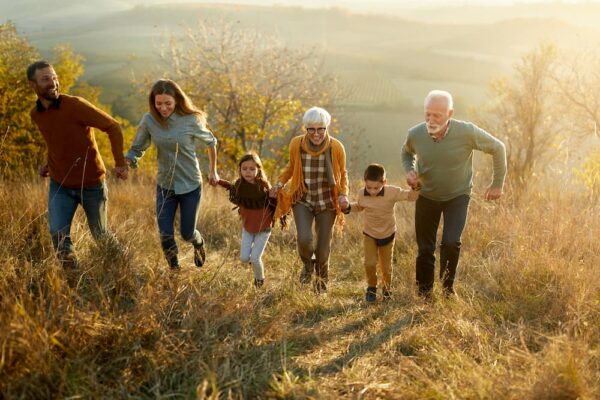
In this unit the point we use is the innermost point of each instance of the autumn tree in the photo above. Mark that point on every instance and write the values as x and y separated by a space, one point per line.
22 147
19 143
254 89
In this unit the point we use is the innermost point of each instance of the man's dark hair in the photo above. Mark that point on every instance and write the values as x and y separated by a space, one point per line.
35 66
375 173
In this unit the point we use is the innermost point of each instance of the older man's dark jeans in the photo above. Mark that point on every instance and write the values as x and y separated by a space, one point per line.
427 220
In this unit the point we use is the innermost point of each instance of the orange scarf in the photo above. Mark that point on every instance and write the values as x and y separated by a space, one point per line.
296 187
306 147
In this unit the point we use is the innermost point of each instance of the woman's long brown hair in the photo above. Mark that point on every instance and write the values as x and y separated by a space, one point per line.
183 104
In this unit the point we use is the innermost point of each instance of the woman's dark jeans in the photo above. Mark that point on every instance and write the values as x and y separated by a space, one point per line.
189 207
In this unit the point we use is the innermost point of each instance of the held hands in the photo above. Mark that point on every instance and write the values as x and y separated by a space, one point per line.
213 178
343 201
122 172
493 193
275 190
44 171
412 179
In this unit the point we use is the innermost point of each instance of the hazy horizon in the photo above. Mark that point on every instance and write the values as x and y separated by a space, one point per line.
384 52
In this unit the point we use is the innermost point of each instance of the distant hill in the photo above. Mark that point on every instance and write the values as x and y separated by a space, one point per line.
390 62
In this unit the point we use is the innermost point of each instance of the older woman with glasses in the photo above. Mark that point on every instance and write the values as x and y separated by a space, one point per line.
316 192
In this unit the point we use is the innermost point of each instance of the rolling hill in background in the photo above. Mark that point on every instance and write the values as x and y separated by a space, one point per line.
390 62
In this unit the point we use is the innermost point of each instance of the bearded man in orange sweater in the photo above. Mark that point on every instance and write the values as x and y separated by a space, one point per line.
74 164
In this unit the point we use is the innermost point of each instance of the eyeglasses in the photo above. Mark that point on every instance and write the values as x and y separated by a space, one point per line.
320 130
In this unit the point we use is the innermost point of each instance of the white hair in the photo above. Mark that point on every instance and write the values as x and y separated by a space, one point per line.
316 116
440 94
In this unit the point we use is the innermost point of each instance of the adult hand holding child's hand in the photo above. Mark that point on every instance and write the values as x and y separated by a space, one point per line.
412 179
275 190
343 201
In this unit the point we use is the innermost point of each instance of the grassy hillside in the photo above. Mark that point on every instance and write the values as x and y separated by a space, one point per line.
526 323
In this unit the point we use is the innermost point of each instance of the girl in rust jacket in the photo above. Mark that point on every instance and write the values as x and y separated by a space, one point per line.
250 193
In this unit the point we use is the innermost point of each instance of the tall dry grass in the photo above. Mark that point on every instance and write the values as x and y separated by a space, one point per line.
526 324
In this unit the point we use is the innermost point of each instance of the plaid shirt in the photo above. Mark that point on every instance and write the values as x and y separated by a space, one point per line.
318 197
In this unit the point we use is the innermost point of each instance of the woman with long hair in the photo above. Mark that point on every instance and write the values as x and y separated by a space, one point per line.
176 126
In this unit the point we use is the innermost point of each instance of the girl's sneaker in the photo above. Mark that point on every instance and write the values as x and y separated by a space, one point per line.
258 283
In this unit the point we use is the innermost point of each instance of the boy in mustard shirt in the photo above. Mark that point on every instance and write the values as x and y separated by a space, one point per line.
377 200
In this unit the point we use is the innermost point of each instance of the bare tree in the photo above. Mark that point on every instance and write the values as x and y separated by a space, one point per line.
253 88
578 82
523 113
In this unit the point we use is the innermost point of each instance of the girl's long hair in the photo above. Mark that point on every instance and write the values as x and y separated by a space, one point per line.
183 104
260 177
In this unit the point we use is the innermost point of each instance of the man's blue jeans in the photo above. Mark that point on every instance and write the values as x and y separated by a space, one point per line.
62 204
189 208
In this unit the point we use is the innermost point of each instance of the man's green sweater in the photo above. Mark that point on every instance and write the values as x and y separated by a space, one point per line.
445 168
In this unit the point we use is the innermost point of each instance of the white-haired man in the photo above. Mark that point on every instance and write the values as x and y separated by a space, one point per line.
437 157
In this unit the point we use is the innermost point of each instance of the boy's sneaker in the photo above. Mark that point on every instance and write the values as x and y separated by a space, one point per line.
387 295
258 283
199 254
371 295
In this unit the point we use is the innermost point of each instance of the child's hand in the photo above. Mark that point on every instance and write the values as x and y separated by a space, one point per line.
275 190
224 183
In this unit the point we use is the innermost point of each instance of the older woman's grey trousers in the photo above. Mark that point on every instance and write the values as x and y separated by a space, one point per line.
324 221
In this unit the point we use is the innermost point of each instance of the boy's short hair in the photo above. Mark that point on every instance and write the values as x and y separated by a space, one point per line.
375 173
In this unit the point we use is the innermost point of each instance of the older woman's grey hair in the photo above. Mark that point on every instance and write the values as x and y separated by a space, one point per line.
316 116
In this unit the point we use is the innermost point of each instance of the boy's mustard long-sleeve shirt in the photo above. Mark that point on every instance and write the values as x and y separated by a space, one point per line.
379 220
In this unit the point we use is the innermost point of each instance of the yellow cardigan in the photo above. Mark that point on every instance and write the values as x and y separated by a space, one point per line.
293 192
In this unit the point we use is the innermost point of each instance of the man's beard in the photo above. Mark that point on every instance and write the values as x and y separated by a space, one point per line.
50 94
435 129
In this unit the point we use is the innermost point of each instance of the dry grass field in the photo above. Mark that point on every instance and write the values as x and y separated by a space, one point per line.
526 324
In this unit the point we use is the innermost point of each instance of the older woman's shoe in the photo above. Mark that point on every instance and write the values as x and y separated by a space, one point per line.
307 272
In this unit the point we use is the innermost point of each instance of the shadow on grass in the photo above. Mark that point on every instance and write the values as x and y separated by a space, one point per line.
358 349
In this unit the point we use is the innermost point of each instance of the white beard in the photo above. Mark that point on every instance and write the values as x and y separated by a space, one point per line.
434 129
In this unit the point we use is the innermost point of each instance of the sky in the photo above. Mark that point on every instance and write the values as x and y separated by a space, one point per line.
367 3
